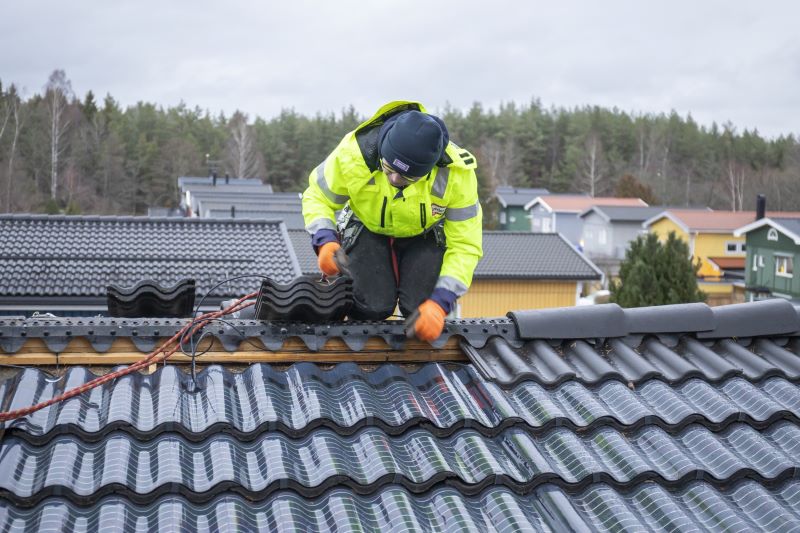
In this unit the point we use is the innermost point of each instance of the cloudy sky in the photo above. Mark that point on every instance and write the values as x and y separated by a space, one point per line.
719 61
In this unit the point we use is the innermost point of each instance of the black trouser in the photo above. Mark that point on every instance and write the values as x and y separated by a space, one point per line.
376 291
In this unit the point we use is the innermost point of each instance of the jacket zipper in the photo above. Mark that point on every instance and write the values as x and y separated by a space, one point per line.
383 213
423 215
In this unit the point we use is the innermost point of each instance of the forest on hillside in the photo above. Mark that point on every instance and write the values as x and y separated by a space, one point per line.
68 153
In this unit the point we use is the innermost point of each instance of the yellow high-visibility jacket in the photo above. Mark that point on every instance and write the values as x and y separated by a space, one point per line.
352 174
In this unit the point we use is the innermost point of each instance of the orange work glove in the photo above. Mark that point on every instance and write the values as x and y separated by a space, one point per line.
430 323
325 258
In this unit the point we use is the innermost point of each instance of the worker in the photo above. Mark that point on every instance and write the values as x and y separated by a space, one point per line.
410 222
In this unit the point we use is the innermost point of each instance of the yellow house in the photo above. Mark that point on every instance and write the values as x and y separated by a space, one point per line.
519 270
709 235
524 270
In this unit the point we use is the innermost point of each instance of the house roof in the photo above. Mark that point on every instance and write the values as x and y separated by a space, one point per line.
301 242
713 221
526 255
192 181
729 263
79 256
623 213
574 203
566 419
517 196
292 219
506 255
788 226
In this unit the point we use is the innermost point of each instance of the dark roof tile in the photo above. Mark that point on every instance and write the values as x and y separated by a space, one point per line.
524 255
80 256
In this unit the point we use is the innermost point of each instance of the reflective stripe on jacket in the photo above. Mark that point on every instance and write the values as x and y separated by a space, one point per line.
352 173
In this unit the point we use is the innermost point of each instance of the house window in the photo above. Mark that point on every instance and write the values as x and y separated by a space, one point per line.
733 247
502 217
772 234
546 225
755 263
784 266
601 236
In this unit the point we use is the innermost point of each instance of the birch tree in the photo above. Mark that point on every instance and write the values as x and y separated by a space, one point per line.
13 103
242 158
593 163
58 93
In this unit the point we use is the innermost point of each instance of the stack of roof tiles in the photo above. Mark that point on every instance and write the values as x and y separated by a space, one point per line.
306 299
678 418
149 299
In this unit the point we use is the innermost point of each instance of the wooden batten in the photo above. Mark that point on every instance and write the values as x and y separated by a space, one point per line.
123 351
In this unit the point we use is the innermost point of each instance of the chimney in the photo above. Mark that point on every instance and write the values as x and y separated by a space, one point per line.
233 211
761 206
227 178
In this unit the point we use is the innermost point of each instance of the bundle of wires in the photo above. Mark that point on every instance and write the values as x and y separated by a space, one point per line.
160 354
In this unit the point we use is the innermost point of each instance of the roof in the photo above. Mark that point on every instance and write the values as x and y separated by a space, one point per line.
506 255
301 241
623 213
517 196
712 221
729 263
788 226
597 418
574 203
190 181
526 255
79 256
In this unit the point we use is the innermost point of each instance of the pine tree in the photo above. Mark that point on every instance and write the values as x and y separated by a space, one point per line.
656 274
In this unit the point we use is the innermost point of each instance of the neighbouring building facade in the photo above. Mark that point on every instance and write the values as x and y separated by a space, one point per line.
560 213
512 200
773 253
608 231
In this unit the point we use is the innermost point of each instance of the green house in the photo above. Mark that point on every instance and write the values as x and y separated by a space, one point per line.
512 200
773 251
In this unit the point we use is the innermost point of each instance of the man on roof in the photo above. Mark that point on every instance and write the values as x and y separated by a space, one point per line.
411 223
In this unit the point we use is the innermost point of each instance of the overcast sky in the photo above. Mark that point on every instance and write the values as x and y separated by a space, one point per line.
719 61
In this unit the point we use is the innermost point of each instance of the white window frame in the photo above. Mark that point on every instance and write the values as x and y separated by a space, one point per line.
789 264
546 223
602 236
738 247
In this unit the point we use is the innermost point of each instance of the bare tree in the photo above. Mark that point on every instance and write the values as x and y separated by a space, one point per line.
241 155
58 92
593 163
499 159
736 181
6 110
12 100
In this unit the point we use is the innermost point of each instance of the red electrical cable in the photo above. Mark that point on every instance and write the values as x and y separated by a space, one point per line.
196 325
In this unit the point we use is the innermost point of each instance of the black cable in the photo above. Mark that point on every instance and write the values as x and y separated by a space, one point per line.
195 320
223 282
